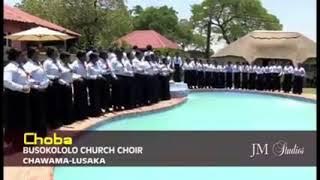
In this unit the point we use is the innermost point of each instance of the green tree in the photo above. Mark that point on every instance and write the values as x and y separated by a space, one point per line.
232 19
98 21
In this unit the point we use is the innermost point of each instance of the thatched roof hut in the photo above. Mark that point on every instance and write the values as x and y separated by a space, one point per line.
274 45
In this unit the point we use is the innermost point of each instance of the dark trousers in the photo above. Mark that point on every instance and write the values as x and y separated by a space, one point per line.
177 73
80 100
18 117
244 84
287 83
259 82
66 107
207 78
200 79
193 78
38 109
221 80
252 81
94 97
187 77
118 92
229 80
105 91
54 100
139 89
297 85
164 87
237 80
268 82
129 94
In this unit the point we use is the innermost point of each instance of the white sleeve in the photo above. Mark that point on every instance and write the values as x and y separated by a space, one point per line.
47 66
8 83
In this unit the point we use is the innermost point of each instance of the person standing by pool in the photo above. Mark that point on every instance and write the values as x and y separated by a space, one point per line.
155 76
200 72
17 90
252 77
228 69
187 72
245 72
129 82
148 77
206 74
211 69
80 94
278 70
299 74
94 74
267 77
177 64
193 74
259 80
66 80
287 81
215 75
139 78
38 98
105 81
236 73
165 71
53 71
221 75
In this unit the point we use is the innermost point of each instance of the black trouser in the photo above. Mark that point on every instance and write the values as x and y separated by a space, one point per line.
139 89
164 87
215 79
287 83
129 95
244 84
193 78
94 97
54 101
66 106
207 78
259 82
80 99
252 81
237 80
177 73
229 80
201 79
18 117
187 77
38 109
268 81
106 92
222 77
297 85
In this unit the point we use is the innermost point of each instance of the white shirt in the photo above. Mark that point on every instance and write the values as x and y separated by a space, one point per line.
137 66
299 72
128 67
199 66
51 68
79 68
220 68
267 69
278 69
147 68
228 68
155 67
186 66
67 76
177 61
15 78
93 71
235 68
38 77
165 70
102 64
288 70
117 67
259 70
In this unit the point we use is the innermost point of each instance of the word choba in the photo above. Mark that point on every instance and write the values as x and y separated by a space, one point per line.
31 138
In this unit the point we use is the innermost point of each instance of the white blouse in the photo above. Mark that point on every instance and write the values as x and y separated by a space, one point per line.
38 77
15 78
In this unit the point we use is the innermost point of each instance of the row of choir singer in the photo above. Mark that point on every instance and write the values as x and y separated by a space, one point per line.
244 76
57 92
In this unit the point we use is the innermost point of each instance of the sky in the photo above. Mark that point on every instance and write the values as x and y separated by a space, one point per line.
294 15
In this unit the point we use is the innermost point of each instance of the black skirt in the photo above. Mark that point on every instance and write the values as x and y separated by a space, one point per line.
105 92
237 80
54 101
207 78
139 87
229 80
38 108
129 94
287 83
244 84
94 97
297 85
177 73
66 106
252 81
200 79
18 117
80 100
259 82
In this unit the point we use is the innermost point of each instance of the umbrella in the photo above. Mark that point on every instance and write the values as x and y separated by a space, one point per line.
39 34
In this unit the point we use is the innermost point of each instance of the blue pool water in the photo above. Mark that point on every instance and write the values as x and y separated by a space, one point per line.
211 111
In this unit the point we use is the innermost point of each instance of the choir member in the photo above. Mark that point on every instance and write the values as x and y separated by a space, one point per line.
236 73
207 74
80 87
268 77
193 74
215 75
299 74
129 82
200 74
228 69
221 76
259 80
287 81
148 80
17 89
139 78
278 70
94 76
165 71
156 83
177 63
187 72
245 74
211 70
66 81
252 77
39 83
54 99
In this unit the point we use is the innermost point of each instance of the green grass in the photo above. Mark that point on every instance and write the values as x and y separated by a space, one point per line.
309 90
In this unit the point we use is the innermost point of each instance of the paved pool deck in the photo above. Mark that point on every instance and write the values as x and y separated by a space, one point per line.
46 173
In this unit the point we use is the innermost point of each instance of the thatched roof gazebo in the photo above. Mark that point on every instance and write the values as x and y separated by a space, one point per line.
269 45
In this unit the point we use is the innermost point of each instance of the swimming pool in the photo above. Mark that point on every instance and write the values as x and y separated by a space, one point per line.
211 111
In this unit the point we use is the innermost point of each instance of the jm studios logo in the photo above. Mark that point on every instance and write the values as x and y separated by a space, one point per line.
278 149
